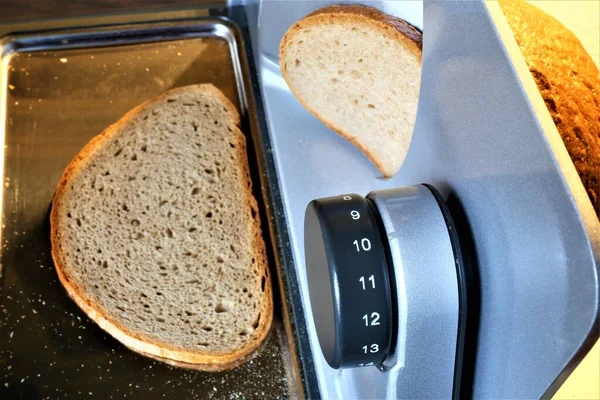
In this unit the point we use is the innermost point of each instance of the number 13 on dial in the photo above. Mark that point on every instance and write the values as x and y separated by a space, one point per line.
374 348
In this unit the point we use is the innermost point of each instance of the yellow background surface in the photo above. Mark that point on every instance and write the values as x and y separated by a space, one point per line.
582 17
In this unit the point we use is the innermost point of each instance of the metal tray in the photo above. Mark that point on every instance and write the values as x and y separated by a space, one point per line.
57 91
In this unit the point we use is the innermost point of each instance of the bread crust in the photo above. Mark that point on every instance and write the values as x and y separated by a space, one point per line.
569 82
408 35
203 360
211 367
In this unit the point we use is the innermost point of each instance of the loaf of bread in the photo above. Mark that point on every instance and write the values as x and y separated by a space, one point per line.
358 70
156 234
569 82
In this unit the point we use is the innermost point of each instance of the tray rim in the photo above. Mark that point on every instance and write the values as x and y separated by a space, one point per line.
231 25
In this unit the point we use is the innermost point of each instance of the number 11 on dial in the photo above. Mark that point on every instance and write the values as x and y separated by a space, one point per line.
365 284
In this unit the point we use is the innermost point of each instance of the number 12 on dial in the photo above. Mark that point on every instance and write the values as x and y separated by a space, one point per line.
374 319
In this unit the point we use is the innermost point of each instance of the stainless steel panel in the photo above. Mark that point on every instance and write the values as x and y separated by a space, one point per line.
59 90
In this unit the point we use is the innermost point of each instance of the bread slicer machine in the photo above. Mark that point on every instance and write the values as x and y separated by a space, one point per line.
473 272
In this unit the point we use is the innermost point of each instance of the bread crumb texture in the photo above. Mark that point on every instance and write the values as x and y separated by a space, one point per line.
569 82
359 71
156 233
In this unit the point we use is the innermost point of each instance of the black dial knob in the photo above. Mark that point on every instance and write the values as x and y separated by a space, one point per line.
348 281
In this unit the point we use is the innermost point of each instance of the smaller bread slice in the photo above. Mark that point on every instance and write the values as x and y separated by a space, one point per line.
156 236
358 70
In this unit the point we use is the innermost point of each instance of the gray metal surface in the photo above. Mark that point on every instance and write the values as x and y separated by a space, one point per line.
57 92
427 296
479 140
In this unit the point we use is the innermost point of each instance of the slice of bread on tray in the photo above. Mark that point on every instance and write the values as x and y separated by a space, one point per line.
156 234
358 70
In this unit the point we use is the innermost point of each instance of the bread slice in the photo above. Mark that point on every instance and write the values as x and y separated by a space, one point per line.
156 234
359 71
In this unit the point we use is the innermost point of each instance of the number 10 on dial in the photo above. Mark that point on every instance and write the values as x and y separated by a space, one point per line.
364 244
